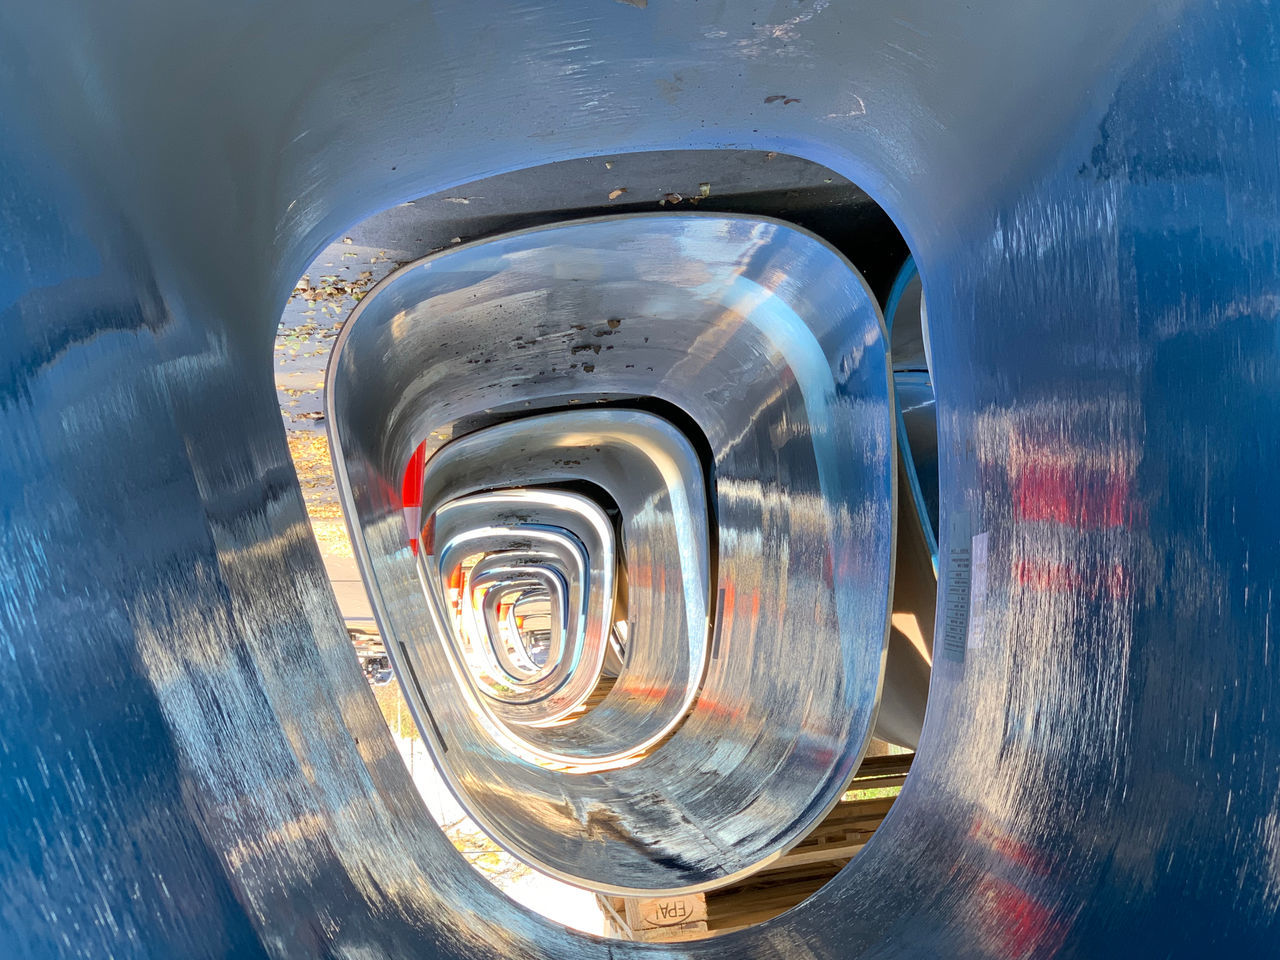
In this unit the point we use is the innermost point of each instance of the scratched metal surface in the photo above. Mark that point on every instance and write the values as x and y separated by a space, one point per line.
190 766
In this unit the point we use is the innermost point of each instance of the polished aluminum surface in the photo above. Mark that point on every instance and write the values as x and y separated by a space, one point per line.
909 664
511 594
908 323
568 537
772 347
653 478
192 765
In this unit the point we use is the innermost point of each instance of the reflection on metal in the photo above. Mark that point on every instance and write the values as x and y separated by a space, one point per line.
770 345
562 538
909 661
654 480
525 615
907 320
191 763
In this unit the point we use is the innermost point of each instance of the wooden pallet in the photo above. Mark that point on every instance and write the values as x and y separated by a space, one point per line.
782 883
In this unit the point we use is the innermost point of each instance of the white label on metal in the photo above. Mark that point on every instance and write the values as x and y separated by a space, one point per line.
955 588
978 592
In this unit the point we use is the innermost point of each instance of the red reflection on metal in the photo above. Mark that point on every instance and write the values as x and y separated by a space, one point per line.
1087 498
1015 923
411 495
1009 848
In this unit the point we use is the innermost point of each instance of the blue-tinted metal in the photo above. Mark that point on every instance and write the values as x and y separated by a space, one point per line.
190 763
